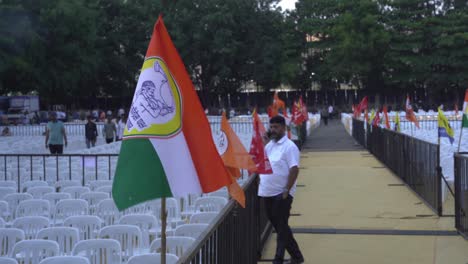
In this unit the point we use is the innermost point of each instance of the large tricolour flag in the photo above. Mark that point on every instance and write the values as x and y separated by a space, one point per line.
167 147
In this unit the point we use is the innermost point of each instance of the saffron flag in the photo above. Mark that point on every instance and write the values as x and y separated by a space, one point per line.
276 106
235 157
465 111
167 147
298 115
444 126
257 148
397 122
385 114
410 116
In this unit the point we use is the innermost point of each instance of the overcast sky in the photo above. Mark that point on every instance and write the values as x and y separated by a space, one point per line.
287 4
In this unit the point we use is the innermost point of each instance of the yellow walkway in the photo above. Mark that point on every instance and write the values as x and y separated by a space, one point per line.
352 191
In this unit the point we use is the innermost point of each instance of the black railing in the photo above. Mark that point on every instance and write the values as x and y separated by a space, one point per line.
236 235
52 168
359 132
461 193
415 161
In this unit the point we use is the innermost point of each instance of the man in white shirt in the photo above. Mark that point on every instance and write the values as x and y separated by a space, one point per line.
278 188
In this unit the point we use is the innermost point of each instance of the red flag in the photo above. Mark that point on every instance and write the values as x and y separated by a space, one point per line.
385 112
276 106
363 104
298 113
257 149
410 116
366 115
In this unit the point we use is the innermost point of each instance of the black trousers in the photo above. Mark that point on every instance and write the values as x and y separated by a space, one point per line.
278 210
56 149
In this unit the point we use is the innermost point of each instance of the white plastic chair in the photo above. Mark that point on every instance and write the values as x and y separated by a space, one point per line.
108 212
172 208
66 237
106 189
87 225
65 260
220 193
38 192
34 207
54 198
99 251
10 184
176 245
4 191
29 184
152 259
190 230
14 199
146 223
203 218
129 237
93 199
8 238
33 251
99 183
210 204
4 211
4 260
76 191
31 225
69 207
60 185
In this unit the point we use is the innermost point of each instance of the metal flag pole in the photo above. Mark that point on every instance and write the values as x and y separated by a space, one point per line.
163 230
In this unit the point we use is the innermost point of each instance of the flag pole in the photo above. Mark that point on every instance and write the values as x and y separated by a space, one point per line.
163 230
459 140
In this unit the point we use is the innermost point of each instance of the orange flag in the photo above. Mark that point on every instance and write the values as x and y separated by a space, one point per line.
410 116
385 112
276 106
235 157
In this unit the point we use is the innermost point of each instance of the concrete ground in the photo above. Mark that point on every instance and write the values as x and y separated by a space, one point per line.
349 208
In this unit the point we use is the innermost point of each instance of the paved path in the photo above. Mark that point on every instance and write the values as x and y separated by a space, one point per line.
349 208
331 138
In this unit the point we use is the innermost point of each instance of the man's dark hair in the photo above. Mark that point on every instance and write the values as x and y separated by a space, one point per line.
278 120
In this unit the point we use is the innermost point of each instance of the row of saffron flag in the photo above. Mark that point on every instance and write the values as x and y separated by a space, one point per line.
444 128
168 148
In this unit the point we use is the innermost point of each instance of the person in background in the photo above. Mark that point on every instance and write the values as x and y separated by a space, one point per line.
330 111
121 112
109 131
121 127
102 116
91 133
55 135
324 115
6 132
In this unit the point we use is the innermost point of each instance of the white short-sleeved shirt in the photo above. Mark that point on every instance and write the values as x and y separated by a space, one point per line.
283 155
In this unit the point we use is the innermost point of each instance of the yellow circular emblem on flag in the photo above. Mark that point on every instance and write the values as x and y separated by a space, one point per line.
156 109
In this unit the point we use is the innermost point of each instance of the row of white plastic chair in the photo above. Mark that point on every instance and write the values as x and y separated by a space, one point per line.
95 251
59 185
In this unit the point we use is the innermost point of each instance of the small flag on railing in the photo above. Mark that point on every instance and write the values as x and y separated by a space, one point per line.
465 111
397 122
410 116
372 116
385 114
444 127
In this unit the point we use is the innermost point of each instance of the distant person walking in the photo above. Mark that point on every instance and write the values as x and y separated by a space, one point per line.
278 189
55 135
330 111
109 131
91 132
121 127
324 114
